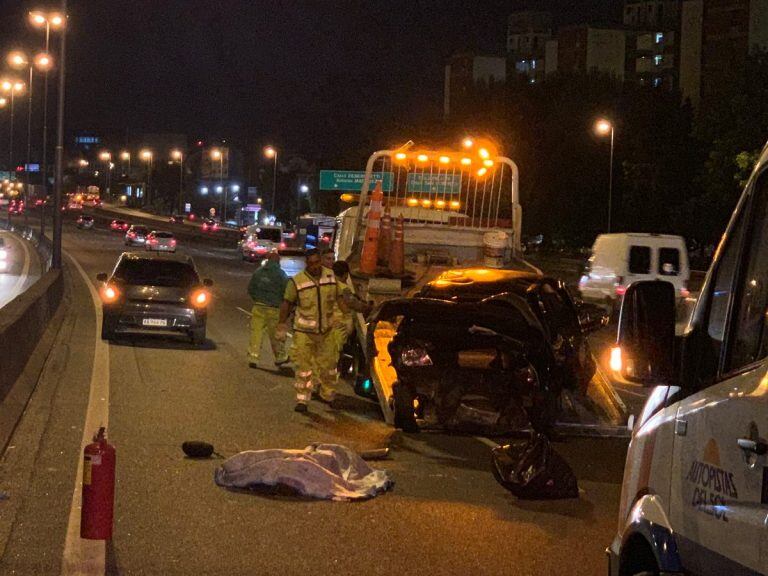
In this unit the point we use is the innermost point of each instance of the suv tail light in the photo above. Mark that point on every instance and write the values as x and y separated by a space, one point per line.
110 293
200 299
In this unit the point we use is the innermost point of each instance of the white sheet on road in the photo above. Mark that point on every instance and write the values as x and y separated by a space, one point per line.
324 471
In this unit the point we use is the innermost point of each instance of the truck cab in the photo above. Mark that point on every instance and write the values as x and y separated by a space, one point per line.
695 490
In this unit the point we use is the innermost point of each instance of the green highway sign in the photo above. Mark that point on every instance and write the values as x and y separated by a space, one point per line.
423 182
352 180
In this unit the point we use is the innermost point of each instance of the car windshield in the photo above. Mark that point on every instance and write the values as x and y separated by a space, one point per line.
140 229
163 235
155 272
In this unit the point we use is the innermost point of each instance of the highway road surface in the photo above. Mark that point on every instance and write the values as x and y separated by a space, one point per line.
446 514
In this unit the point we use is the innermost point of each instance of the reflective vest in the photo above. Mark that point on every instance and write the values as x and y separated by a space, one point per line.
315 300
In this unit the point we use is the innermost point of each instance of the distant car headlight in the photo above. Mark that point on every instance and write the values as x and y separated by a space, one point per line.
414 357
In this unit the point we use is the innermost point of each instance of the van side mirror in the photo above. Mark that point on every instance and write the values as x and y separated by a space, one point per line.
102 277
646 339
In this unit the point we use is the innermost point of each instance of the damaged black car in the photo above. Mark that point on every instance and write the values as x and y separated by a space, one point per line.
483 351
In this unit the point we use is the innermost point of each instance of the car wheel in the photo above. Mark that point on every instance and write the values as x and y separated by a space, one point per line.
197 335
107 328
405 418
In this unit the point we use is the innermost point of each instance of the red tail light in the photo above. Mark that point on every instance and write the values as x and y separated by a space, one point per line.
173 242
282 245
621 290
215 226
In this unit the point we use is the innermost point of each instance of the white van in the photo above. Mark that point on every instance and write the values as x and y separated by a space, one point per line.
695 491
619 259
261 240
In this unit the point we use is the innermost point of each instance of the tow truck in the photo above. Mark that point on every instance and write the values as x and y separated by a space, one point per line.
458 207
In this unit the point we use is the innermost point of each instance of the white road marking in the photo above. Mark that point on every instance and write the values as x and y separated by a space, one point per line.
88 557
244 311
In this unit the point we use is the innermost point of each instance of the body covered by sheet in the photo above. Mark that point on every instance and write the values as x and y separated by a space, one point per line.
324 471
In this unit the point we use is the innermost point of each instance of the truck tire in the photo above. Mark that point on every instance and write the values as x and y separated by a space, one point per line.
405 419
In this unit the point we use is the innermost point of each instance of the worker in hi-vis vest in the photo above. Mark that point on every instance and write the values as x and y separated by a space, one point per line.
314 293
266 289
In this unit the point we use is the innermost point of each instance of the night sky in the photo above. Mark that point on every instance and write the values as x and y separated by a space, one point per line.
299 73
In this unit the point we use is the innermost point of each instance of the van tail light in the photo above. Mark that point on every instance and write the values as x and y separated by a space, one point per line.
620 288
684 292
200 299
110 294
282 245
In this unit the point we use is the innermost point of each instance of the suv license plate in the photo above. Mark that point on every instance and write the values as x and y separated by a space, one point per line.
155 322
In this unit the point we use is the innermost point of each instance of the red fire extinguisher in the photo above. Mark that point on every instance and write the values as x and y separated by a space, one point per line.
98 489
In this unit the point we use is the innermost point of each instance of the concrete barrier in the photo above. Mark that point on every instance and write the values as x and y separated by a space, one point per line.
22 324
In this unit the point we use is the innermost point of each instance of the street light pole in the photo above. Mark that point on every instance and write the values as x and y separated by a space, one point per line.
610 182
29 148
59 182
604 127
271 152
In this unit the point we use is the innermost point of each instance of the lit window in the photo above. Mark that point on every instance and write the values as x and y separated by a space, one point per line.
659 37
658 59
533 64
656 82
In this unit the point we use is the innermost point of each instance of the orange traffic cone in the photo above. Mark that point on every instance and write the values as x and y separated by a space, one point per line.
371 244
385 238
397 252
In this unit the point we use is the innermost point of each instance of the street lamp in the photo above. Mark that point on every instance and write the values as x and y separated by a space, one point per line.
106 157
125 156
217 154
146 156
11 87
47 21
178 156
271 152
604 127
20 61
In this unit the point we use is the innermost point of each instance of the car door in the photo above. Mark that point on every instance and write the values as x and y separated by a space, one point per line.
719 486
